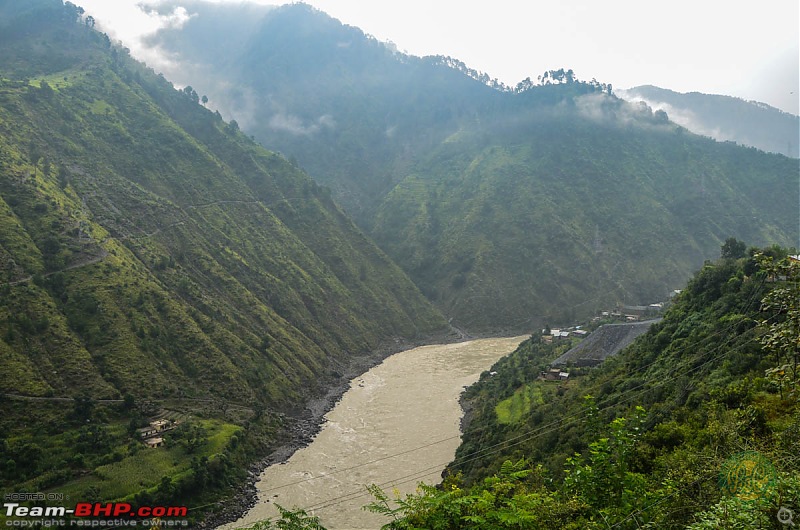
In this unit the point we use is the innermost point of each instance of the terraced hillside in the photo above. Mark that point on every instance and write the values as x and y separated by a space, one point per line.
150 251
604 342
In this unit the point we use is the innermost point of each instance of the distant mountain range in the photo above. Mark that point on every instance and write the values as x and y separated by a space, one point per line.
504 206
725 118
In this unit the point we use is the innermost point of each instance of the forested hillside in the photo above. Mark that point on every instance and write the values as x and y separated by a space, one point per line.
510 207
695 425
353 112
149 251
573 207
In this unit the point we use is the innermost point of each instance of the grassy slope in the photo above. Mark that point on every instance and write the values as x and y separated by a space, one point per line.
701 375
579 211
200 228
474 192
149 249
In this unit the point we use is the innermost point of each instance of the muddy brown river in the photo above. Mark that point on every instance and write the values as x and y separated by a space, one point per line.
398 425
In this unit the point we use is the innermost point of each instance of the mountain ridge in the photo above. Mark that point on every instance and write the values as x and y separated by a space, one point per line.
725 118
155 263
419 149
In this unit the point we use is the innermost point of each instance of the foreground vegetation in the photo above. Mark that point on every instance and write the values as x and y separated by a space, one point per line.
92 451
696 425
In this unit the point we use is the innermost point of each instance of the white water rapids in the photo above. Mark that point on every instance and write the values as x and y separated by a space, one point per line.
398 425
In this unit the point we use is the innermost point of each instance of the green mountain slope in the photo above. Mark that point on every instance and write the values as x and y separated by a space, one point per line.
351 110
695 425
508 208
147 248
571 208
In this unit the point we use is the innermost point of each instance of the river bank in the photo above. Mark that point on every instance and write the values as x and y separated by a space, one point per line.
398 424
304 423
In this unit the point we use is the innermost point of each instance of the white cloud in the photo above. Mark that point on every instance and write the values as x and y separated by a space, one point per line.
295 125
174 20
683 117
131 22
603 108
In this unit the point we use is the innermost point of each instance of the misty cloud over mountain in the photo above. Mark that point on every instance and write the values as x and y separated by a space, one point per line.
725 118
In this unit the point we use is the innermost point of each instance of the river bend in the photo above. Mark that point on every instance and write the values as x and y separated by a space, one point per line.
398 425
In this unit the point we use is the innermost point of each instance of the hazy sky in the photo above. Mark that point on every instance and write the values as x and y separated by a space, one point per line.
744 49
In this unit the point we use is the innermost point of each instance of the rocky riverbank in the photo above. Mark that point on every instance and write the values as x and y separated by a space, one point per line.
302 424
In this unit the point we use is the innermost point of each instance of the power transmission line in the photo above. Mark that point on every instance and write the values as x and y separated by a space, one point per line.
550 427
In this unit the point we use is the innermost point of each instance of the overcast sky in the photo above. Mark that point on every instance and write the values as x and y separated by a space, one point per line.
740 48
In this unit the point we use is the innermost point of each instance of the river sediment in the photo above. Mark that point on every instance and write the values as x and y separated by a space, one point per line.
397 425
